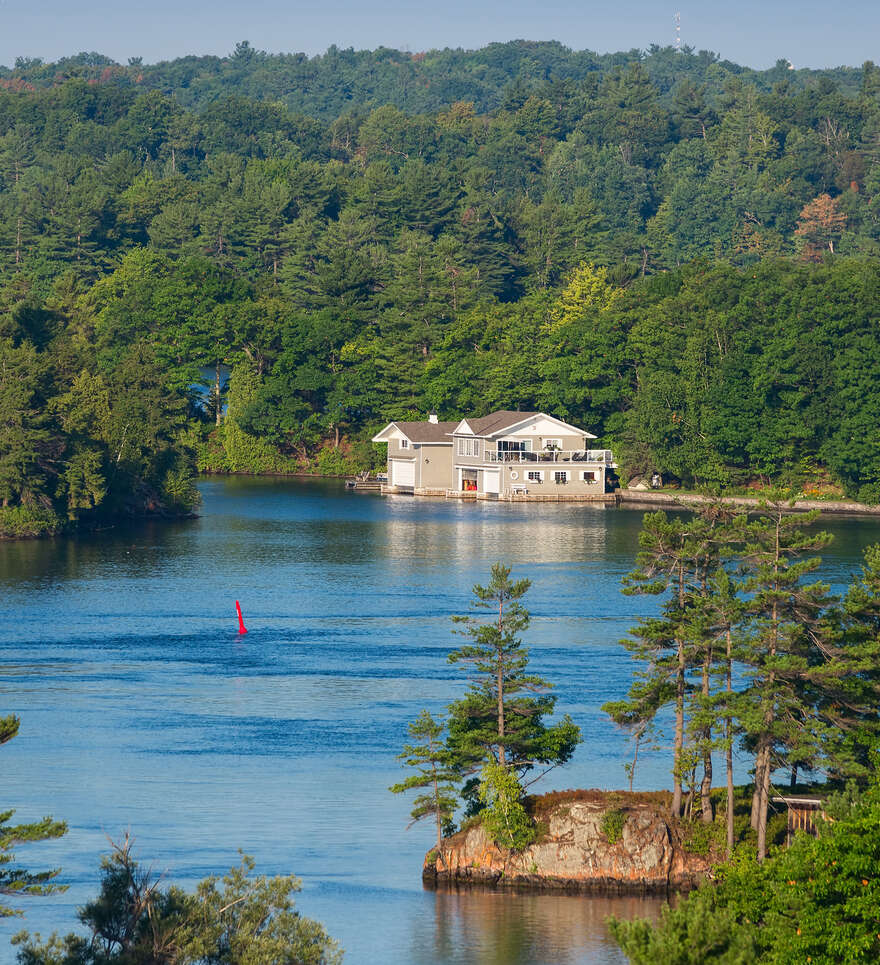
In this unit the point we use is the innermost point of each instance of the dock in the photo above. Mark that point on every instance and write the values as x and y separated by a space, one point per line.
470 495
366 483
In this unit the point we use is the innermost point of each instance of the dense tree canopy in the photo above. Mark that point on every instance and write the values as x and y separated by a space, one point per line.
814 902
675 251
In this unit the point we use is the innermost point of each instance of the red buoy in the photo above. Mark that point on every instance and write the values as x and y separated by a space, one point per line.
241 627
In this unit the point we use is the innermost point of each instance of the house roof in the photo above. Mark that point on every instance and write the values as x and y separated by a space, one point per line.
498 421
506 419
422 432
486 426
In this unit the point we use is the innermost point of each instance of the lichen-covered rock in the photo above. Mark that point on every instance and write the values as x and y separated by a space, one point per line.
576 854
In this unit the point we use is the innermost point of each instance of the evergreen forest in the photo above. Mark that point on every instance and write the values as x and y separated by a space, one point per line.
251 263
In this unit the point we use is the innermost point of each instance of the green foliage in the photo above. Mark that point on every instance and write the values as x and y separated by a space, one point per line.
700 838
749 650
612 824
23 522
501 717
239 919
503 815
704 934
435 772
332 462
16 881
813 902
615 238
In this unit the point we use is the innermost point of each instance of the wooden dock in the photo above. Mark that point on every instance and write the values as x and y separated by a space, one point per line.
364 485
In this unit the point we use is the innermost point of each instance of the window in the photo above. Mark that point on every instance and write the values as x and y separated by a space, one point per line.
561 476
468 447
589 476
514 445
534 475
553 445
404 443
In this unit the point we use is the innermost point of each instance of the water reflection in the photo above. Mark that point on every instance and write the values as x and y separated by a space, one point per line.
142 707
481 927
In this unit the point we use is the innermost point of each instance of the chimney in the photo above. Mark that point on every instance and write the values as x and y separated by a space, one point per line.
432 418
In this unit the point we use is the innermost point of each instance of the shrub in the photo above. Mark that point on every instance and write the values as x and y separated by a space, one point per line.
23 522
815 901
504 816
612 824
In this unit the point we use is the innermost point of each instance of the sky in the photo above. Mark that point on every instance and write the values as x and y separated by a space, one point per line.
755 33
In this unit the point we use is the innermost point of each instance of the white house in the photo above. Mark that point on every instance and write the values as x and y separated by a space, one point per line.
504 455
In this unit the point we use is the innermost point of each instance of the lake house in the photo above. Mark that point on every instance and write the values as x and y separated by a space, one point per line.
503 455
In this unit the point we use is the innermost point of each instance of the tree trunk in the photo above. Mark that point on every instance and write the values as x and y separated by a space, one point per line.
500 685
793 779
769 710
437 814
632 772
759 780
217 406
679 709
728 736
763 804
706 789
706 784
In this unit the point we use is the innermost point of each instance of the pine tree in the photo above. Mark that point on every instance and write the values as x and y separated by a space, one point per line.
852 696
786 649
664 564
820 223
721 611
501 717
711 616
434 771
13 879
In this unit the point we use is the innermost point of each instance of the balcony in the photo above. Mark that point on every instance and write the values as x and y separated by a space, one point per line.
600 457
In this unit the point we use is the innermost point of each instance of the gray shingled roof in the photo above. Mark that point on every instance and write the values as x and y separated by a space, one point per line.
427 431
497 421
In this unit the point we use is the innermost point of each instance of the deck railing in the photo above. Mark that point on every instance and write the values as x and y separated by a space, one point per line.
601 457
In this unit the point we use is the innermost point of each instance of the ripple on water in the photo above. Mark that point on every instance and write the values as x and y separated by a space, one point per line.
141 707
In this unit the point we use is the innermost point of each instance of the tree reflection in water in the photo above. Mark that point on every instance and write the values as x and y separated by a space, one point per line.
479 926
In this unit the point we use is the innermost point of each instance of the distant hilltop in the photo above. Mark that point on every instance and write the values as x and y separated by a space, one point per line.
330 84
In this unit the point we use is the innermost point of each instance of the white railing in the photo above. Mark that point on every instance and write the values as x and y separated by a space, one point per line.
601 457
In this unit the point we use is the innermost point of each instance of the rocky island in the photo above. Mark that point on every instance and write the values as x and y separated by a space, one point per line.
591 841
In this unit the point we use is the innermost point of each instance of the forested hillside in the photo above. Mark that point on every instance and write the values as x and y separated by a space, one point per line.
675 251
338 81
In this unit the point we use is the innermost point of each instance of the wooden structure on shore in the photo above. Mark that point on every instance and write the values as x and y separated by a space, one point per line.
365 482
803 813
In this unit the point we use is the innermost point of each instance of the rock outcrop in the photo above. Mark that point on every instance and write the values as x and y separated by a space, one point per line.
642 854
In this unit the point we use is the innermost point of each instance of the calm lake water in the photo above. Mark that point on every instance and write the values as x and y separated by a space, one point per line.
142 708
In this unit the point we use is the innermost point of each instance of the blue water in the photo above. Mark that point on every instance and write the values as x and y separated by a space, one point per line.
142 708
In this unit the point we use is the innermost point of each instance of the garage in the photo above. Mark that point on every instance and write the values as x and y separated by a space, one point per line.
403 472
491 481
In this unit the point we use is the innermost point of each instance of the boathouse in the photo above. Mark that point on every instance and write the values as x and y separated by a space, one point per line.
504 455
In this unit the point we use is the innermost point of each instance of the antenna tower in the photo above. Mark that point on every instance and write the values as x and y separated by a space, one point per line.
678 32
